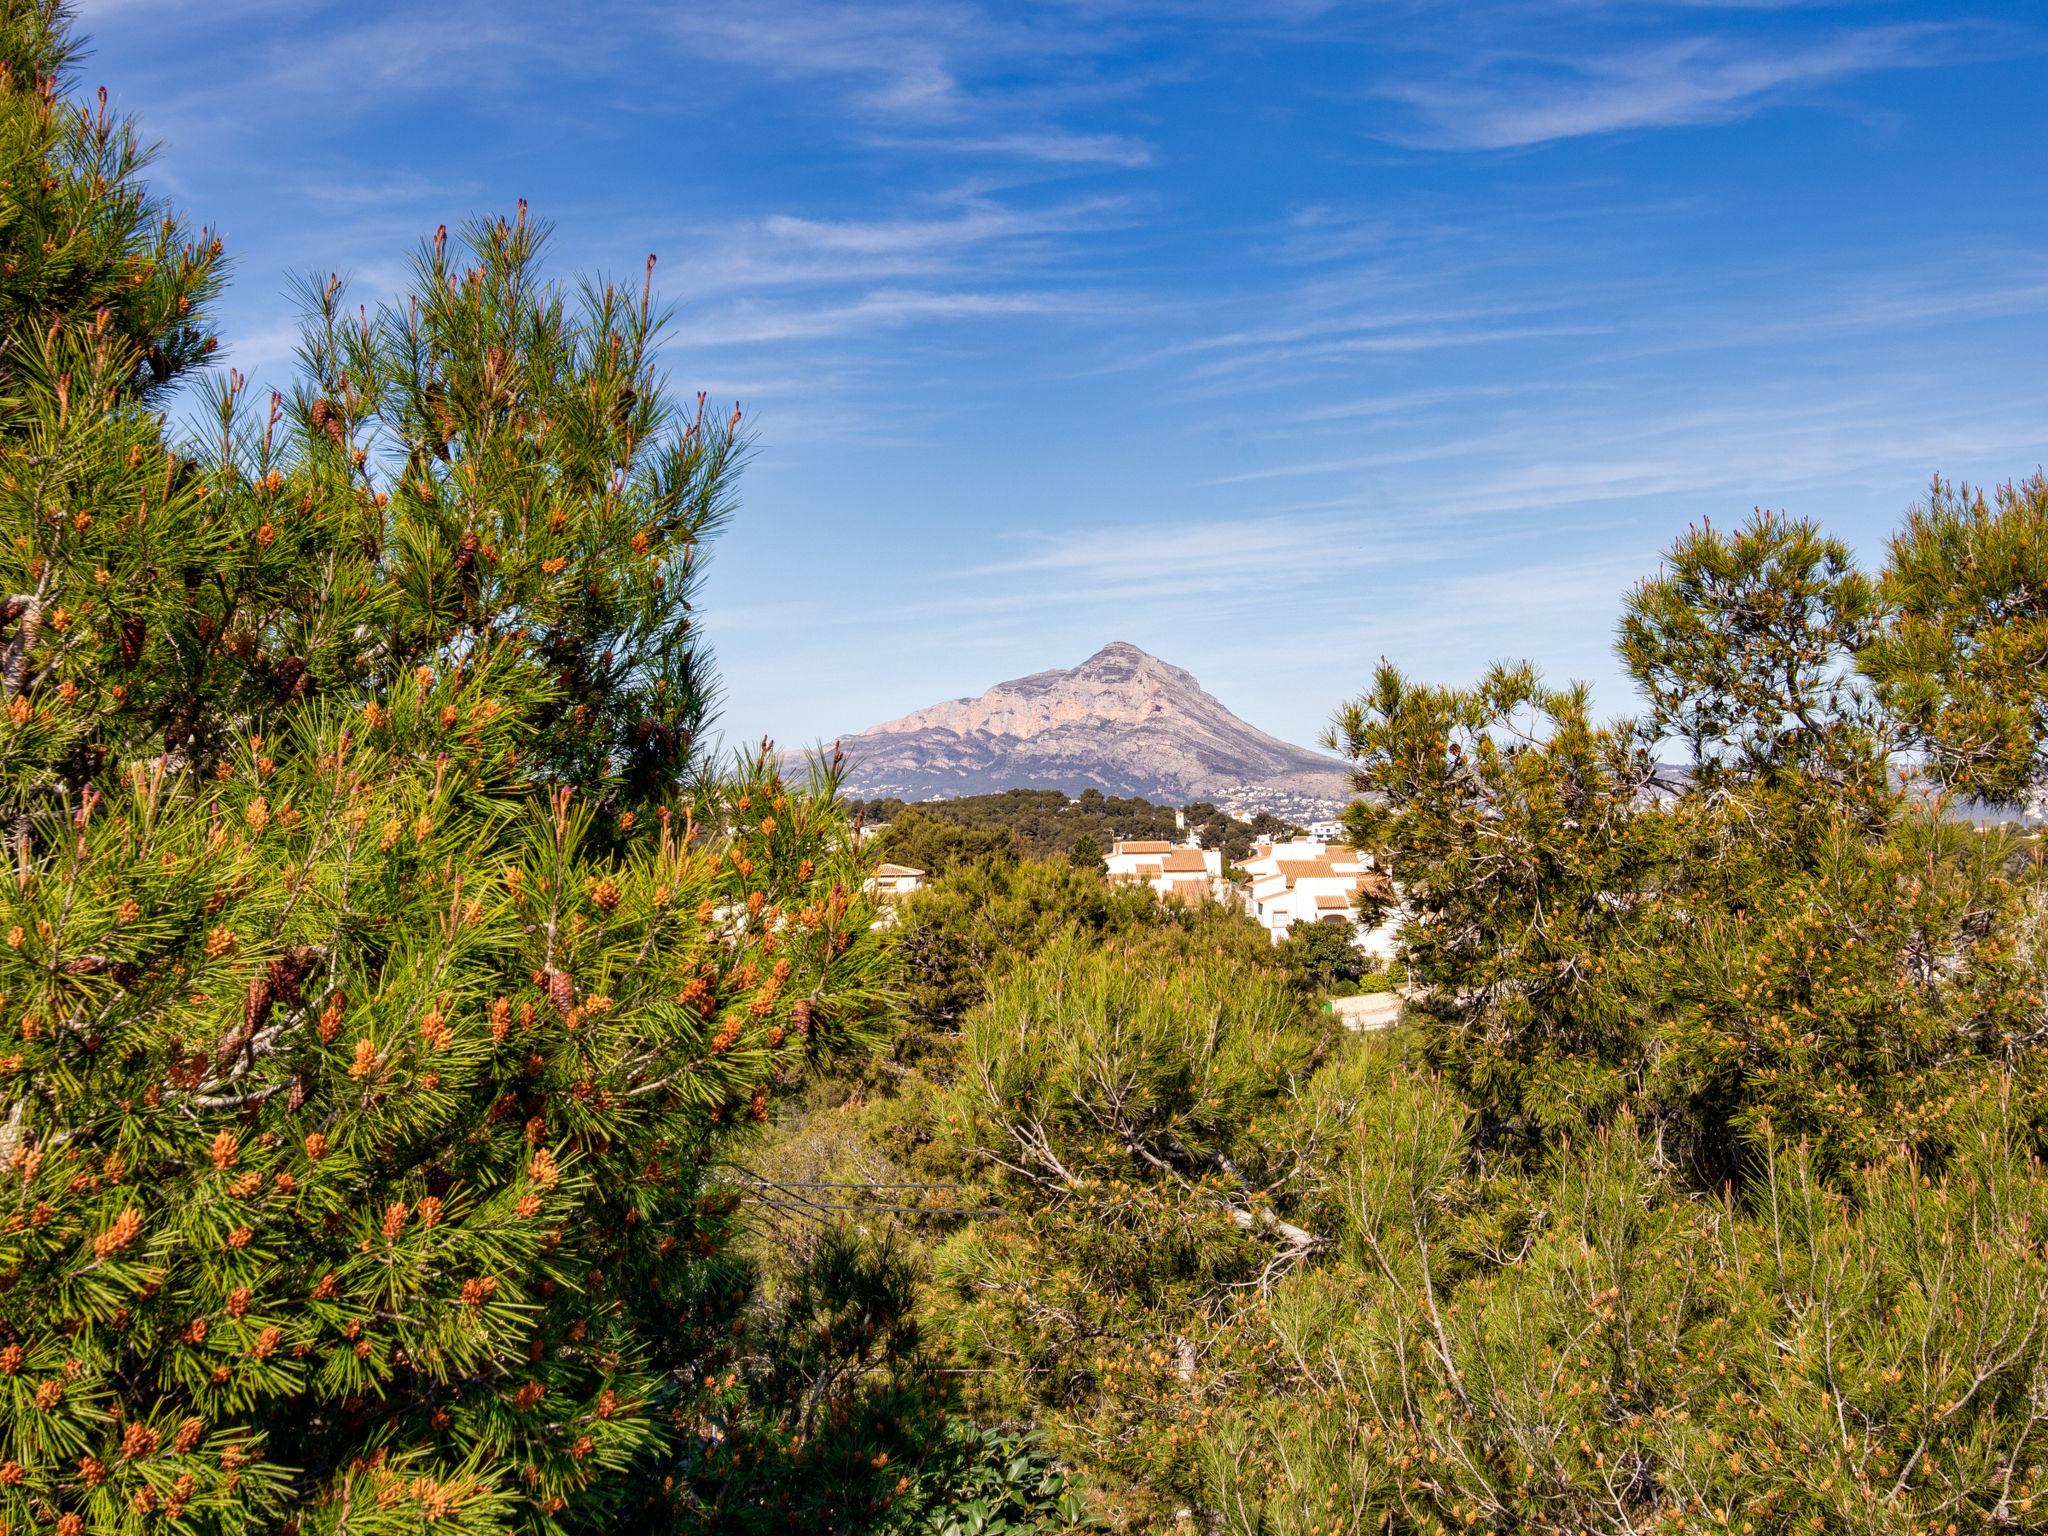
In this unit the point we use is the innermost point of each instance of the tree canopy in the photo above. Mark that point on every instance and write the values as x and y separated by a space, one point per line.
385 967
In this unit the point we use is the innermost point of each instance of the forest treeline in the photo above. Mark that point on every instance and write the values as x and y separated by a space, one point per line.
938 835
439 1094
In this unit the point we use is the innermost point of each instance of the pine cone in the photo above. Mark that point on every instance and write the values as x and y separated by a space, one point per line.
288 971
256 1005
561 990
279 983
133 632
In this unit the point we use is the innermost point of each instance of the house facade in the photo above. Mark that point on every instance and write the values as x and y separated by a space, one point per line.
1308 880
890 882
1177 871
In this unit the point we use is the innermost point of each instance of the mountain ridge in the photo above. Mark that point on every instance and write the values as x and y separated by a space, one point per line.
1123 721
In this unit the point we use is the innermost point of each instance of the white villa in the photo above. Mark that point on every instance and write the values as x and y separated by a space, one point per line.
1307 880
1312 881
890 881
1179 872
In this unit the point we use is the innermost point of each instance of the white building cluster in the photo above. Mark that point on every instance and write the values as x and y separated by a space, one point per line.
1178 871
1305 880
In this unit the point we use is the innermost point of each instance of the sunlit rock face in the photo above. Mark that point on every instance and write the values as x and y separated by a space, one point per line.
1123 722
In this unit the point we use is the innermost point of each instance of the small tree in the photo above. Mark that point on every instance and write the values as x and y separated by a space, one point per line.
934 843
1512 819
1322 957
1137 1107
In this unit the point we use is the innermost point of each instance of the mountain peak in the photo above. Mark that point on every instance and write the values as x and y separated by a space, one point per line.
1122 662
1123 721
1120 650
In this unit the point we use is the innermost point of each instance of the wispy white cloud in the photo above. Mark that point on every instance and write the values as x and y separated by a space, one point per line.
903 59
1399 341
1406 403
841 276
976 225
355 66
400 189
1693 80
1187 556
1053 146
753 322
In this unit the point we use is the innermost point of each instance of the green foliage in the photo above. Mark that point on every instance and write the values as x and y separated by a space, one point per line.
1048 825
1322 960
391 995
1035 823
1960 662
988 1482
378 998
1588 1347
923 839
1389 980
961 933
543 495
832 1417
1136 1107
1777 939
1848 996
98 279
1744 648
1510 818
1595 1351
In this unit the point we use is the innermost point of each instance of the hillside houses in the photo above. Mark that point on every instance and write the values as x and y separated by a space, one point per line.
1310 881
1306 880
1177 871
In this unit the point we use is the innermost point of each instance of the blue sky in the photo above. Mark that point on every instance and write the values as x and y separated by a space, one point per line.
1272 335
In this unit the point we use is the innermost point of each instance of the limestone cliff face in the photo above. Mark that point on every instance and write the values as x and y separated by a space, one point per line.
1123 722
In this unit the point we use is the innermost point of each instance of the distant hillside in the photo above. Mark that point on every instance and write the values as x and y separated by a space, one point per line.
1122 722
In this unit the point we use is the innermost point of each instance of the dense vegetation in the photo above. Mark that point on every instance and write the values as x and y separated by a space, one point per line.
385 970
1700 1189
435 1096
938 835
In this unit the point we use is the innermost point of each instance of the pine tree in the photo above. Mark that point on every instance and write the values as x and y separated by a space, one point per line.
1963 661
1745 645
1777 942
385 971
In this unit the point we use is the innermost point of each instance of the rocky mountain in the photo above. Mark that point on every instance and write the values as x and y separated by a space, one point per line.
1123 722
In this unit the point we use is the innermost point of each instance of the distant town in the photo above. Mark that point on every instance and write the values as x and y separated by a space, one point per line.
1279 872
